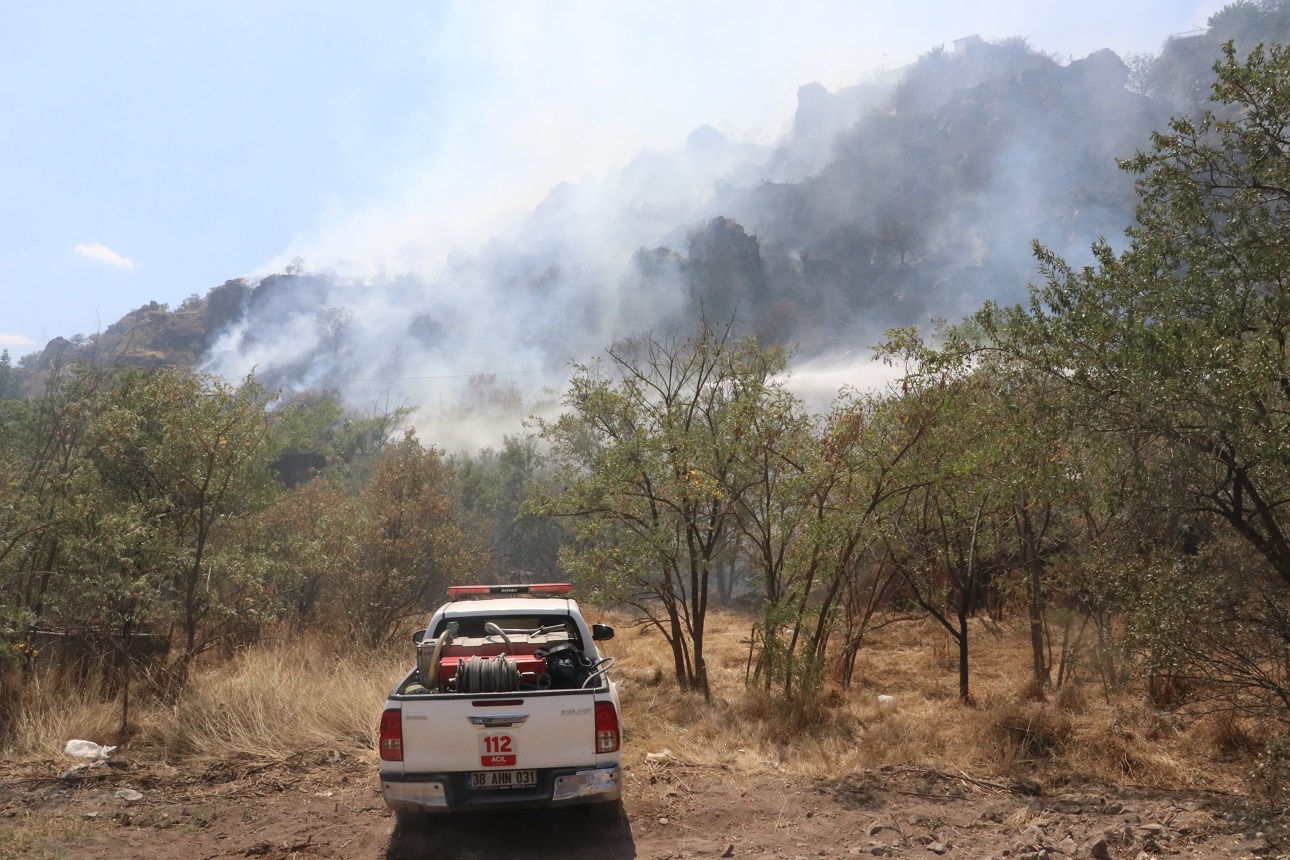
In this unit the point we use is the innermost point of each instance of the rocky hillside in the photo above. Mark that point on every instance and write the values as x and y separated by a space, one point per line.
894 202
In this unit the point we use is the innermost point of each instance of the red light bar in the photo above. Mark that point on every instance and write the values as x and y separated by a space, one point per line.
552 588
464 590
543 589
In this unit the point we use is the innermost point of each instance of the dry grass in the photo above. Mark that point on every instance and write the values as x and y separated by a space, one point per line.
40 838
52 711
266 704
284 702
1009 731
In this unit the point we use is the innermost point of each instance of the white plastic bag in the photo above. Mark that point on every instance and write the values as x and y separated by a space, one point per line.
87 750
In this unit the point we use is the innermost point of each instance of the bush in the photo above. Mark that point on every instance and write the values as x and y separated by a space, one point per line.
1270 778
1032 731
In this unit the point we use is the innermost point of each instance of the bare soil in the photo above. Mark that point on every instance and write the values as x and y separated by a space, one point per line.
321 809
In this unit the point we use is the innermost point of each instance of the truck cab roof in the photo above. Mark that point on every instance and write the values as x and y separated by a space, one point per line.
511 606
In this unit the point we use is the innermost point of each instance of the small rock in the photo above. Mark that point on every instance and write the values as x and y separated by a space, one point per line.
662 821
730 850
1099 849
1154 829
938 847
90 816
129 795
1033 837
1113 808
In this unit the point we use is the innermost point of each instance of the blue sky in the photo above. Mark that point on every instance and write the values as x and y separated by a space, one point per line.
151 150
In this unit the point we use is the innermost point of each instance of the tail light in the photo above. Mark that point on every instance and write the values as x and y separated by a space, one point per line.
607 739
392 735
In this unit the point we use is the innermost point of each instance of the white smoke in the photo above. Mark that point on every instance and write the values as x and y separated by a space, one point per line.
405 302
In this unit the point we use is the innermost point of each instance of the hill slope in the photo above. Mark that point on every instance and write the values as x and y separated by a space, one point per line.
887 204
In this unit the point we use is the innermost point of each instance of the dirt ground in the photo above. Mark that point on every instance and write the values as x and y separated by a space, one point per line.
670 811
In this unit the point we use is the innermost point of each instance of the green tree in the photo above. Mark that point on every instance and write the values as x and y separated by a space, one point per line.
10 384
811 513
1178 343
48 489
648 449
350 442
304 544
495 486
1183 335
409 542
125 487
189 454
947 531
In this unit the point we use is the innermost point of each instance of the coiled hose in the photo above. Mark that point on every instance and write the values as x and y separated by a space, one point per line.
488 675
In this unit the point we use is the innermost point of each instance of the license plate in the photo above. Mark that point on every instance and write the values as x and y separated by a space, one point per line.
503 779
497 749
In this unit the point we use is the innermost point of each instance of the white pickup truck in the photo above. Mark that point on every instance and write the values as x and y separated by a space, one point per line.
509 705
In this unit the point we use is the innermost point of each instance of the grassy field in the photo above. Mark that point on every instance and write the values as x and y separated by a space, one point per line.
311 697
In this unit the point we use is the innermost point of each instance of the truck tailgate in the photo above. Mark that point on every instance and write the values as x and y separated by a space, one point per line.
499 731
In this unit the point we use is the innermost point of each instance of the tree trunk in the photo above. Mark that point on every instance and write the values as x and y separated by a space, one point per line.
1037 651
962 636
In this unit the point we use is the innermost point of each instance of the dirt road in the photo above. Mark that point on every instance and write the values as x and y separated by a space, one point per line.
676 811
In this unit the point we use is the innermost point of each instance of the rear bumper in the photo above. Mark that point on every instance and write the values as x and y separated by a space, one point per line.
447 792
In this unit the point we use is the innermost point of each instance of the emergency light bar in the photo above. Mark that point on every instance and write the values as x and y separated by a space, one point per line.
544 589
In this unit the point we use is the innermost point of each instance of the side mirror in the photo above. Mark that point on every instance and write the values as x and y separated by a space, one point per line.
417 636
601 632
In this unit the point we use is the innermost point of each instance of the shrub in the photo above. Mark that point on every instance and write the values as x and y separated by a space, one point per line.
1033 731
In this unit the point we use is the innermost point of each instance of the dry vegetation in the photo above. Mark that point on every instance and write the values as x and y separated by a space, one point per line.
304 698
302 702
291 699
1083 733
